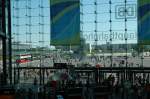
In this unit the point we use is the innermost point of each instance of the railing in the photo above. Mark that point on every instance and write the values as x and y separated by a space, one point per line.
88 83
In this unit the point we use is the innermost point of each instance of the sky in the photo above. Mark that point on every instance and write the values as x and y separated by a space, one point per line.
88 18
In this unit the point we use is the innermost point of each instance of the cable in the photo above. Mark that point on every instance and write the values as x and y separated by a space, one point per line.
110 30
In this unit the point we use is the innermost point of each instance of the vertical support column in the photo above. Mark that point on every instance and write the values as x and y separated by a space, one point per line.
14 75
142 56
40 73
43 73
41 37
13 36
142 61
4 42
95 31
9 41
40 41
16 25
28 28
4 62
81 25
30 24
110 30
126 38
96 75
18 75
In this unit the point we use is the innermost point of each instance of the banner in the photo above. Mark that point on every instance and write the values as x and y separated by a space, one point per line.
144 22
65 22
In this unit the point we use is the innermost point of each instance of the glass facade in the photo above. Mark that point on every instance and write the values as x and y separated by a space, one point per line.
108 58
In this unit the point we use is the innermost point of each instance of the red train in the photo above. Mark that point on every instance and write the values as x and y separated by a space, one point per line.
24 58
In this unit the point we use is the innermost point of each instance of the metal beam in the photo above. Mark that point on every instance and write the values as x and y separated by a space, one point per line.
9 41
104 69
